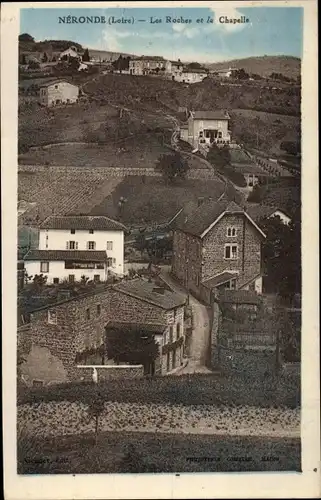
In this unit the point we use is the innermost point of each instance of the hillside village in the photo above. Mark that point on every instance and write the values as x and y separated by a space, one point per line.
158 228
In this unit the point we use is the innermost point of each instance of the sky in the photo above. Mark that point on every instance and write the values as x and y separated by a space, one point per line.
270 31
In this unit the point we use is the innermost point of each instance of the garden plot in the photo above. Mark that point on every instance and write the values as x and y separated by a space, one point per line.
65 418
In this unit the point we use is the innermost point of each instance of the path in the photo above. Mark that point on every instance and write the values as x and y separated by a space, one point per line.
200 340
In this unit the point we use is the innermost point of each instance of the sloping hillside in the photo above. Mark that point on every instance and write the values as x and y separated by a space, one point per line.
265 65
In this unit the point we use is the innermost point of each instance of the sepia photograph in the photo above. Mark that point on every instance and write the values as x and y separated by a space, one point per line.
159 266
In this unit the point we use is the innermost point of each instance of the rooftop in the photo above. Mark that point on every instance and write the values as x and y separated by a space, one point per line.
208 214
71 255
55 82
149 292
210 115
82 222
257 212
186 69
220 279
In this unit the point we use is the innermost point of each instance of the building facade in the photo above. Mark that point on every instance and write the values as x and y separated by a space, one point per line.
218 245
208 127
60 339
187 75
74 246
146 65
58 92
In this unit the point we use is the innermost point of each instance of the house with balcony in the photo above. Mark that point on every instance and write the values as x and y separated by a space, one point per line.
206 128
74 246
218 246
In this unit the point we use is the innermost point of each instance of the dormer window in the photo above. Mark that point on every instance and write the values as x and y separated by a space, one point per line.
231 232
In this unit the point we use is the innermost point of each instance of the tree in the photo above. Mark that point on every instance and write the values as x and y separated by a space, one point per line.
291 147
133 345
44 57
39 281
94 411
33 65
23 59
255 195
25 37
86 56
172 166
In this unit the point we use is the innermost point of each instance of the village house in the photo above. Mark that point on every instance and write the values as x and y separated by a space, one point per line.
70 53
208 127
190 75
221 73
58 92
59 340
218 245
258 212
174 68
145 65
74 246
144 302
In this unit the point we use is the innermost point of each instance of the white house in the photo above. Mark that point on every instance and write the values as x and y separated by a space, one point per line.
189 75
73 246
206 127
58 92
69 53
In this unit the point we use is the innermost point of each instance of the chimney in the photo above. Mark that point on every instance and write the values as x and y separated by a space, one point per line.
159 289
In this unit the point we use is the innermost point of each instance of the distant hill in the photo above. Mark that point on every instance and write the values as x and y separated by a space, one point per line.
105 55
264 65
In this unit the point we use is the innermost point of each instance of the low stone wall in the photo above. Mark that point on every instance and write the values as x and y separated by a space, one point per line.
109 372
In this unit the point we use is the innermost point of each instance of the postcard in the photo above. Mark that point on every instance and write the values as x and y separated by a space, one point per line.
160 237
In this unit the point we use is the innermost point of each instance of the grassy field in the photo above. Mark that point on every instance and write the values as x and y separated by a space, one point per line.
184 390
149 199
120 452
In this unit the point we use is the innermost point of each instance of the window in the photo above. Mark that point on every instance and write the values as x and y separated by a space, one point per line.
56 281
220 135
201 134
52 317
44 267
197 279
91 245
109 262
178 330
170 334
91 231
230 252
71 278
56 86
233 284
72 231
168 362
72 245
231 231
98 309
109 245
37 383
88 313
96 278
114 262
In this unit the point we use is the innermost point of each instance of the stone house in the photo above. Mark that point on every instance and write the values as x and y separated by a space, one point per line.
218 245
145 65
63 337
145 303
58 92
74 246
208 127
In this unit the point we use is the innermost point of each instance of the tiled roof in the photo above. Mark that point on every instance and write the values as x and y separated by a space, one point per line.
83 222
55 82
199 220
211 115
149 58
257 212
71 255
186 69
240 297
144 327
145 291
220 279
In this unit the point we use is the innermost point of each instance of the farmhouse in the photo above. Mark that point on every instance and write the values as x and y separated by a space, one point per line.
62 336
189 75
208 127
58 92
73 246
145 65
218 245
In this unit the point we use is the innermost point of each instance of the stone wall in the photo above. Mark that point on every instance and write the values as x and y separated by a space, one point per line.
109 372
255 363
187 260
